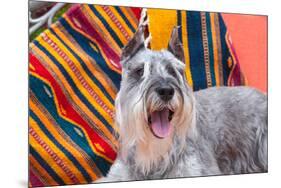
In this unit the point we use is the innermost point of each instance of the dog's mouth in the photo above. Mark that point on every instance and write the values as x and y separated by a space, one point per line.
159 122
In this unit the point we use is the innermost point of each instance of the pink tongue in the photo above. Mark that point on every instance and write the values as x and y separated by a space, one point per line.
160 123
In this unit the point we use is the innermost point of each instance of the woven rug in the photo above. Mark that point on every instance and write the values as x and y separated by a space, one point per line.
74 76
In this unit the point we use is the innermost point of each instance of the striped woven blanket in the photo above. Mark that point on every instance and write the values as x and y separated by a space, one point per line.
74 76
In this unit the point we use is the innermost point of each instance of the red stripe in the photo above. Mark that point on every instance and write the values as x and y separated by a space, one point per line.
79 76
71 113
86 27
34 180
236 73
137 12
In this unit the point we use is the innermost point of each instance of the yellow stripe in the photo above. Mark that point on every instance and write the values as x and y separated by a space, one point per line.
31 67
108 85
101 49
71 121
157 19
83 90
74 97
60 154
130 16
121 21
215 49
107 36
78 66
44 175
67 119
49 160
186 48
111 24
55 131
96 23
219 48
93 102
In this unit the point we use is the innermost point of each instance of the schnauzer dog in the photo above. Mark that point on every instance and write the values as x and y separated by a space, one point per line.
169 131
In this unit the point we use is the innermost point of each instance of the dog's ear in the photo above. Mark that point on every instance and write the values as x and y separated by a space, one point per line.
134 45
175 45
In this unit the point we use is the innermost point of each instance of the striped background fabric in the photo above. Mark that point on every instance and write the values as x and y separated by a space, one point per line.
209 56
74 76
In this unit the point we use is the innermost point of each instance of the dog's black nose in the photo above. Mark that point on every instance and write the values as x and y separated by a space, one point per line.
166 93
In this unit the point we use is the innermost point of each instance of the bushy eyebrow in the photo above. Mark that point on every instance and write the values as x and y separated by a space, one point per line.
135 65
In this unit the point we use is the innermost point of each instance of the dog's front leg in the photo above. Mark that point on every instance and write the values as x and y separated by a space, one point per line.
118 172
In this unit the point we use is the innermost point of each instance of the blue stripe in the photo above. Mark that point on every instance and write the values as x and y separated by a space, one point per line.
211 51
179 24
85 44
45 165
125 18
36 86
86 69
107 26
224 49
65 151
196 54
74 87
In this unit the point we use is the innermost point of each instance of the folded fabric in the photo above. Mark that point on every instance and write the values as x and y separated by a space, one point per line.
74 76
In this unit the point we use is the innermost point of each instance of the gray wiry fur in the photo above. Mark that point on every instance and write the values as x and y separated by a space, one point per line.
215 131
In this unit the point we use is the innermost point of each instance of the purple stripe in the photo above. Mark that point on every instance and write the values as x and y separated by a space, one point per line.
34 180
236 76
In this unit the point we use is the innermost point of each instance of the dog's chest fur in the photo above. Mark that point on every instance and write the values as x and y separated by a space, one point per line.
148 153
175 163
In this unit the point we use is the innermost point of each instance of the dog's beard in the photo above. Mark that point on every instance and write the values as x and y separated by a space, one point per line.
134 116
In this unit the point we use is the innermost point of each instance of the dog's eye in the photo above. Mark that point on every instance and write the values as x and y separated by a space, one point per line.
138 71
171 71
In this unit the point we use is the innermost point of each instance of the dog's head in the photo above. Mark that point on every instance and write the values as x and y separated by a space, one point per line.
154 98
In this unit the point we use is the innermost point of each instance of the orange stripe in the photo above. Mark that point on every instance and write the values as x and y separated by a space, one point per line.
61 137
60 154
97 24
86 90
107 60
105 16
186 49
108 85
50 160
65 85
44 175
215 49
67 119
130 16
63 60
121 21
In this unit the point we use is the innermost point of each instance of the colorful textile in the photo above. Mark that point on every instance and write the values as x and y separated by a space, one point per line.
74 75
209 56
